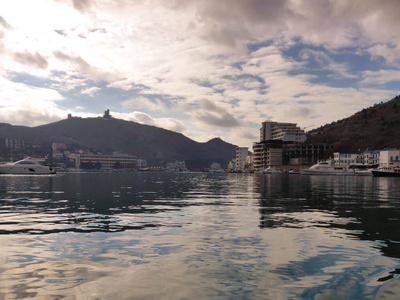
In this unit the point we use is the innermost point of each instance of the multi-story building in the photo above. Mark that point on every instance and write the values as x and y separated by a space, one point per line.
14 143
267 153
345 158
273 136
297 154
286 132
389 158
106 161
241 155
369 158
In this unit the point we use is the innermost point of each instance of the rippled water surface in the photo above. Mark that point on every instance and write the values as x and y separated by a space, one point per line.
199 236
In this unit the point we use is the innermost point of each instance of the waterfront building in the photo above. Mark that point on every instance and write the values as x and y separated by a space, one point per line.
249 165
106 161
232 165
141 163
215 167
286 132
273 136
369 158
177 166
298 154
267 153
241 155
389 158
345 158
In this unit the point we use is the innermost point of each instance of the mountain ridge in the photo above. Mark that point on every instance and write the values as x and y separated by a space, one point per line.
107 135
376 127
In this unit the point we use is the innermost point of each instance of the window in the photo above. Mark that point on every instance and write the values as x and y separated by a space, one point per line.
25 163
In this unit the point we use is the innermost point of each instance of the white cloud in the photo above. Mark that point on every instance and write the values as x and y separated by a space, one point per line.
182 52
390 54
145 103
143 118
92 91
26 105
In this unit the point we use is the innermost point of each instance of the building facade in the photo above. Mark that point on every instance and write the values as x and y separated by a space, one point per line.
241 155
287 132
369 158
389 158
346 158
106 161
297 154
14 143
267 153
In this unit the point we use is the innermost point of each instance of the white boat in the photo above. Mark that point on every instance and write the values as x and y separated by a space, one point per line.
26 166
272 170
326 168
367 172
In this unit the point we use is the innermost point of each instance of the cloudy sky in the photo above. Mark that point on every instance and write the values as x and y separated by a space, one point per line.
205 68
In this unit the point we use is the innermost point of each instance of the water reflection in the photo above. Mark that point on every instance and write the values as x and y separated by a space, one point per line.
184 236
102 201
365 208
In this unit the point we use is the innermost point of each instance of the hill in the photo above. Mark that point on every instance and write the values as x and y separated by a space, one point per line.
158 146
376 127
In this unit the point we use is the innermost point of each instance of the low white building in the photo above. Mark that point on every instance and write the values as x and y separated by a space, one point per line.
106 161
345 158
389 158
369 158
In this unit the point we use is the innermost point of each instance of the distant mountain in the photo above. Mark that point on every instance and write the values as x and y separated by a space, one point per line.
158 146
376 127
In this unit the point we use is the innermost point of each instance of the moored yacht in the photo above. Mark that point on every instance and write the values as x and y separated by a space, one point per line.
326 168
26 166
272 170
387 172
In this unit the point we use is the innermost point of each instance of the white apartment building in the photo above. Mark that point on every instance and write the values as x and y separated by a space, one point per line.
287 132
389 158
369 158
345 158
241 155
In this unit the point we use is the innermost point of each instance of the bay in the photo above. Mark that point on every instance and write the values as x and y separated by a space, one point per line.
150 235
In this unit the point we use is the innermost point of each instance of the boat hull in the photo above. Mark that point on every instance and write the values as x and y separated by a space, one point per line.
10 170
25 167
317 172
385 174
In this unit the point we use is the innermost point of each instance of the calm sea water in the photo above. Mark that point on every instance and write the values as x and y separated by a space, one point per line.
199 236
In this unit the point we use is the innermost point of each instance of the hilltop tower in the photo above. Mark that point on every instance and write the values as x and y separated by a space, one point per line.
107 114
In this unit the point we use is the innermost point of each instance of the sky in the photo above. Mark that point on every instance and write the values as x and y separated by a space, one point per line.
204 68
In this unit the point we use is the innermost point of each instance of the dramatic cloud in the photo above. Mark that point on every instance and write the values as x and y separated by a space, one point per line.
33 60
203 67
213 115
